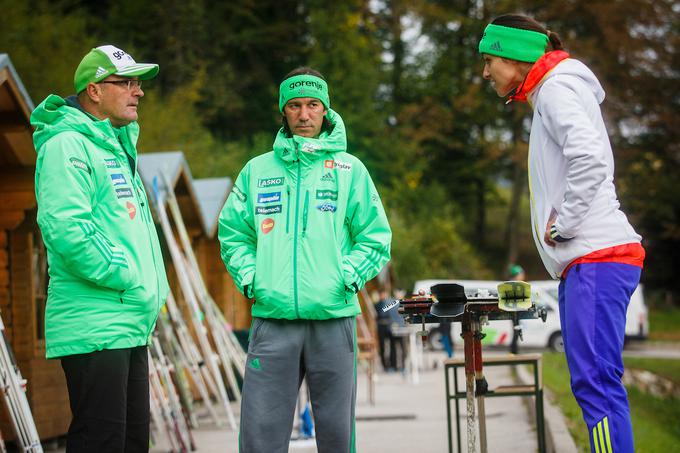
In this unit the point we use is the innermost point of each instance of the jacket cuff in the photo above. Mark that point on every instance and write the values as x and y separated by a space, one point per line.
556 236
247 285
351 278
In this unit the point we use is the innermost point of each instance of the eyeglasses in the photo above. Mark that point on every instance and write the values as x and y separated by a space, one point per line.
129 83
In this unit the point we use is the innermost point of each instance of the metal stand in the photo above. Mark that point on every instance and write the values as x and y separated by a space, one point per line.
512 302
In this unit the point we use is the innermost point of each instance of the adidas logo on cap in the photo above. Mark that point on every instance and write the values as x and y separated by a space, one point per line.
497 46
100 72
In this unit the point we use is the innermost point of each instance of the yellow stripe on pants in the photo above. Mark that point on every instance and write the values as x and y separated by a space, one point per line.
597 445
606 435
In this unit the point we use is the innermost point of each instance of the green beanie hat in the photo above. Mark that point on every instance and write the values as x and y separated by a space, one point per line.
104 61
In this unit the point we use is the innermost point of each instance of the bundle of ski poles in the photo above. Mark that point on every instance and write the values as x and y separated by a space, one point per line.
193 366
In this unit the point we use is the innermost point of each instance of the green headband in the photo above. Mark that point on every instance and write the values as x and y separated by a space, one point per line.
513 43
303 86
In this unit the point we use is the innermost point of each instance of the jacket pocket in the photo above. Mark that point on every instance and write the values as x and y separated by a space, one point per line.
257 330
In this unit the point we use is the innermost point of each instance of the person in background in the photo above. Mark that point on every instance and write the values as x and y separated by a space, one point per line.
390 345
582 236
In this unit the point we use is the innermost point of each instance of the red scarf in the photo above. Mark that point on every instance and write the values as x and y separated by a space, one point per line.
542 66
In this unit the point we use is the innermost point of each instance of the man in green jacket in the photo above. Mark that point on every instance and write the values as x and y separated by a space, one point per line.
107 279
301 232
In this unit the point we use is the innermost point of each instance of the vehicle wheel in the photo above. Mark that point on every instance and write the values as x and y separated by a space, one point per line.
556 342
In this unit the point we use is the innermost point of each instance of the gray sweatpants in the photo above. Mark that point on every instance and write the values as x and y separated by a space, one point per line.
281 353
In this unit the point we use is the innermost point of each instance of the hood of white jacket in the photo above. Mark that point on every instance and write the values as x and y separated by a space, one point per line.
575 68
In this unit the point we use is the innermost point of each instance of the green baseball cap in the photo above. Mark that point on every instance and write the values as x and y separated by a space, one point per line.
104 61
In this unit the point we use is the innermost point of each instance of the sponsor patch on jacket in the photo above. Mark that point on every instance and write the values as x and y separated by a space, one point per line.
111 163
124 192
310 147
271 197
344 166
132 210
325 194
266 210
80 165
327 207
239 193
118 179
270 182
328 177
267 225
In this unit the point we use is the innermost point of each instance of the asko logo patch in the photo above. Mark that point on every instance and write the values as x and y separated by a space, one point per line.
270 182
132 210
267 225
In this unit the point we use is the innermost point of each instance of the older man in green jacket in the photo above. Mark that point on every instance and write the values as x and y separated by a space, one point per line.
107 280
301 233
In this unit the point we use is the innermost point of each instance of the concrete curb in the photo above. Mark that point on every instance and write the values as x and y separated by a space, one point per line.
557 437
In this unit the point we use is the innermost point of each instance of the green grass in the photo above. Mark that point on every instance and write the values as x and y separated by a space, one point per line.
664 324
655 420
668 368
556 378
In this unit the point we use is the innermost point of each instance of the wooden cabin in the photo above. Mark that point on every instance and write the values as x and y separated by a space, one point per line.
23 263
200 202
212 194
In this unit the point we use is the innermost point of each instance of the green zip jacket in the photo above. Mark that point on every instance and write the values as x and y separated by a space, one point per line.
304 228
107 279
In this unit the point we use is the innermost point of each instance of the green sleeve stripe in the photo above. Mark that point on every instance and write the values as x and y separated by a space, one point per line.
102 241
373 258
119 263
102 251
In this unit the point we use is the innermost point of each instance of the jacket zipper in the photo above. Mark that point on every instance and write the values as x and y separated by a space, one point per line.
295 240
305 214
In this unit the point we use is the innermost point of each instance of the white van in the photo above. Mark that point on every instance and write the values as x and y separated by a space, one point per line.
535 332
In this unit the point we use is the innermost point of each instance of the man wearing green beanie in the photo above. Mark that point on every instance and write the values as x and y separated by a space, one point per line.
301 233
107 279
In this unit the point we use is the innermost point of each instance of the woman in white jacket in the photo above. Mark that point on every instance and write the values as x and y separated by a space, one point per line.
581 234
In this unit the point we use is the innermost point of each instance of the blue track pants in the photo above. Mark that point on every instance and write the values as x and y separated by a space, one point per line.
593 299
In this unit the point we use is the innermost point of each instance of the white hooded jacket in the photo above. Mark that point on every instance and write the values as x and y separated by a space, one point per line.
571 168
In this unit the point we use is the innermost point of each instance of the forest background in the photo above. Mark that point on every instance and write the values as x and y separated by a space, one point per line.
448 156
